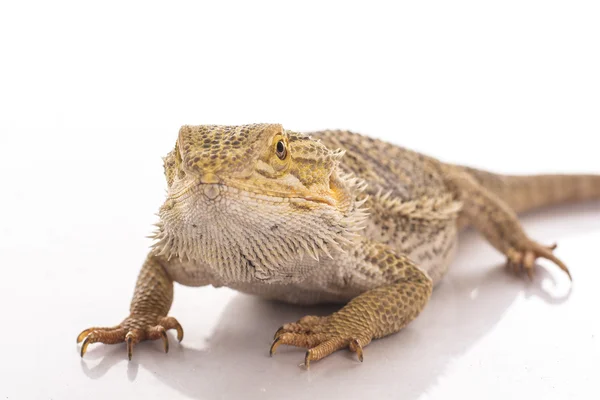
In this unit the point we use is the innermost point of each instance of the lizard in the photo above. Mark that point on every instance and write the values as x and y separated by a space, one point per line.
324 217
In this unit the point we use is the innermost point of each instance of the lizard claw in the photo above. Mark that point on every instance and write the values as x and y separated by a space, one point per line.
278 332
356 347
523 258
163 333
321 336
274 345
129 340
132 330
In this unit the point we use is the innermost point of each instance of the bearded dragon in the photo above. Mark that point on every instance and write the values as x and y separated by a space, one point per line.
330 216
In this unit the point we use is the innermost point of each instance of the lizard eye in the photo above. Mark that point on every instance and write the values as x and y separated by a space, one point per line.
281 150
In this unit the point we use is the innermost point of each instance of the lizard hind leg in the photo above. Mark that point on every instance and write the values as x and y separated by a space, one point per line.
498 222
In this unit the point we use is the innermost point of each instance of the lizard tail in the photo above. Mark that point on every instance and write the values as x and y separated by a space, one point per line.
530 192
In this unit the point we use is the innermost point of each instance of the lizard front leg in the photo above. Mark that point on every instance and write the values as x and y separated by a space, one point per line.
498 223
148 318
376 313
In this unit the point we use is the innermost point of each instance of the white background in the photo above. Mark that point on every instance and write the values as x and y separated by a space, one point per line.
91 96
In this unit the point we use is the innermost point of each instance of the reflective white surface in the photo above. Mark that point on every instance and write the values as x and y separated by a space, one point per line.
485 334
91 98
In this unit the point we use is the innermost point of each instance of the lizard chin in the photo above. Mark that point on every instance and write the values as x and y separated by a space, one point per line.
245 236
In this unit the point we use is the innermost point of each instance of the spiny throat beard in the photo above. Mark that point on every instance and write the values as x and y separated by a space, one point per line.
246 237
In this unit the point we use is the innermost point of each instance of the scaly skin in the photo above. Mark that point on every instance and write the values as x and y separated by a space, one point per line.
327 217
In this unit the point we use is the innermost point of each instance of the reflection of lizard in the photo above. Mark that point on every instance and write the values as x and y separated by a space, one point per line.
292 217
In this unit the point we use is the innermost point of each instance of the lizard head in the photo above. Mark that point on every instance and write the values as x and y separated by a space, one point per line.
252 198
261 158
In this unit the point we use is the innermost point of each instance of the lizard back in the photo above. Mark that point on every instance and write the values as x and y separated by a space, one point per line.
410 207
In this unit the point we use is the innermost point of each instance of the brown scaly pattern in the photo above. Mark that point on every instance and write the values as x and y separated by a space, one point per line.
329 216
373 314
147 319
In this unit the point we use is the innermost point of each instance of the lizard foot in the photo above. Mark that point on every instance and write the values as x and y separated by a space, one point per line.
322 336
132 330
523 258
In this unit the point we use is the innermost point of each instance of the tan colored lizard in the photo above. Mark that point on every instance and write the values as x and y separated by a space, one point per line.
328 217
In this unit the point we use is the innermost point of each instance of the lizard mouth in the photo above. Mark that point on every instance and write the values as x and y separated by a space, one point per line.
212 191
